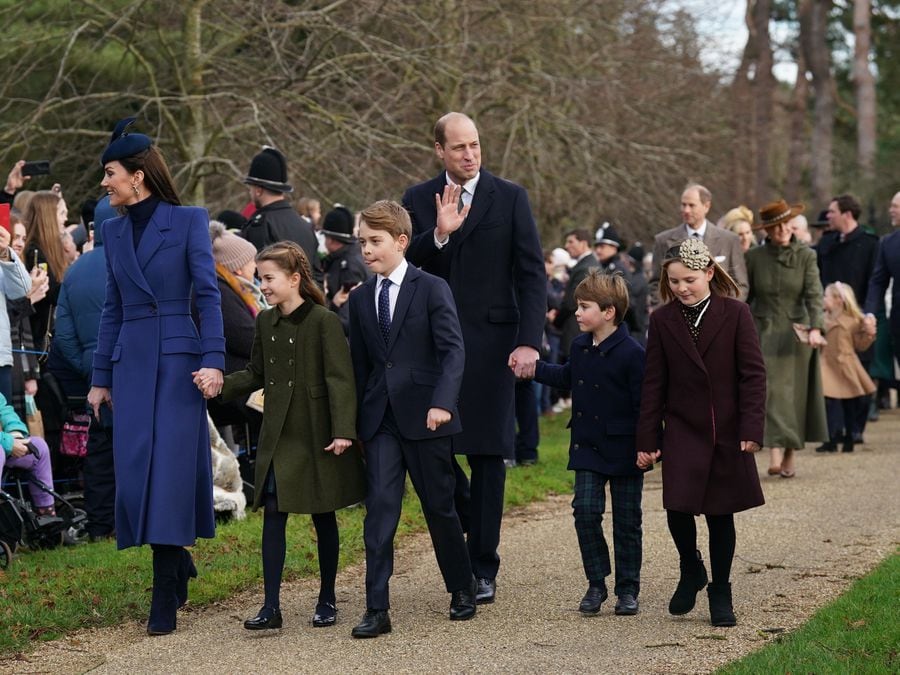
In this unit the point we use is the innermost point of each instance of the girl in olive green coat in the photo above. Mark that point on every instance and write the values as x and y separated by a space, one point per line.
306 461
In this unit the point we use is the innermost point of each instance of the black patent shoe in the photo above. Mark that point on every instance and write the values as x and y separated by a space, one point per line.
485 590
590 603
374 623
326 615
266 619
626 605
463 603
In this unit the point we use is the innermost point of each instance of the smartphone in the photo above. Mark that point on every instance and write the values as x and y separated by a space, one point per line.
39 168
348 286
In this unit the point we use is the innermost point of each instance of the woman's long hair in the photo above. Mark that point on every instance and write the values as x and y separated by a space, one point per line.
42 228
292 259
157 177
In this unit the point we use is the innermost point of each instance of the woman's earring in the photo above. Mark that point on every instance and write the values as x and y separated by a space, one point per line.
137 193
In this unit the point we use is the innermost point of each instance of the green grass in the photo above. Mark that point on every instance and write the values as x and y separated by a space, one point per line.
45 594
857 633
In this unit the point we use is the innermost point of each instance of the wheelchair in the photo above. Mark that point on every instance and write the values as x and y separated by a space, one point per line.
20 524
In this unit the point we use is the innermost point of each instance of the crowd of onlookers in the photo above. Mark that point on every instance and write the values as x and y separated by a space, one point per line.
815 289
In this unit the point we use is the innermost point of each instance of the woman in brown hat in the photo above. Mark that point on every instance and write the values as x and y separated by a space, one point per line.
785 290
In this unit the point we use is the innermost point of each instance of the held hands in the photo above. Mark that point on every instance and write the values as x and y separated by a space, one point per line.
815 339
870 325
448 220
436 417
749 446
338 445
209 381
96 397
523 361
646 459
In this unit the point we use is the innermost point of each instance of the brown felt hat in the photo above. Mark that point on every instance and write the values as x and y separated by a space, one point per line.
777 212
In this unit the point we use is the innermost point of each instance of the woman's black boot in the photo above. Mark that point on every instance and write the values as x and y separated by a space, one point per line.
186 572
164 602
693 579
721 611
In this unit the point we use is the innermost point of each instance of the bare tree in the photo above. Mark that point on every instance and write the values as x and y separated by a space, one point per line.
864 82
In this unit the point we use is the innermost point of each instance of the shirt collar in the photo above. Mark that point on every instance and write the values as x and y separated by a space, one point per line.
398 274
702 231
470 184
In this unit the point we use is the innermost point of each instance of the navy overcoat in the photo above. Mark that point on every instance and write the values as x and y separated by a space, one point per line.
147 348
605 382
495 268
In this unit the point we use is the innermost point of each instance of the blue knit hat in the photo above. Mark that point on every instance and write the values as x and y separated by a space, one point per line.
122 144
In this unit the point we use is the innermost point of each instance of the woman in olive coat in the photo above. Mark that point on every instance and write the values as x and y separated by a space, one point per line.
785 289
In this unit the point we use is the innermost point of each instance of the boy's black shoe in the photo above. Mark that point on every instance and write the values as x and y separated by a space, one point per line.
485 590
374 623
693 580
626 605
463 604
590 603
827 446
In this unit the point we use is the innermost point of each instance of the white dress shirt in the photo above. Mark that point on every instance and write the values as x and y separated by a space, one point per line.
396 278
701 230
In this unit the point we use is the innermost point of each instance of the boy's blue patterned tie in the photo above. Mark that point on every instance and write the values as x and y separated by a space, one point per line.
384 309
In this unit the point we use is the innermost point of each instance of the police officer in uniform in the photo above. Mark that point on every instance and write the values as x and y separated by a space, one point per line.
275 219
608 250
344 266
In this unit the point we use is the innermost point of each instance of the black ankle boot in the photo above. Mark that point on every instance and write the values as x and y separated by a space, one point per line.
693 579
186 572
164 602
721 611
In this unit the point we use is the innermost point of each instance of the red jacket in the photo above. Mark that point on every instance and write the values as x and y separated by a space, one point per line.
698 402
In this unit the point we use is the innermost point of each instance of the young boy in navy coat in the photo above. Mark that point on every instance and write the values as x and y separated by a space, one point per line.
408 359
604 373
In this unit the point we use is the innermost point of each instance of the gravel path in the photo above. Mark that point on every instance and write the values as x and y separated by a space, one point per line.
831 524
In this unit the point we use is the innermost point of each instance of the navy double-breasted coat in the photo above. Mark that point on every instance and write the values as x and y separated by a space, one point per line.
147 348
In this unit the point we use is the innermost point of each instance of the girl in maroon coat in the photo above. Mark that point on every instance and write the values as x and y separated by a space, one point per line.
703 408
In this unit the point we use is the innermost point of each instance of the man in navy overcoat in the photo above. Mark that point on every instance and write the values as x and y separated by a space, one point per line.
491 257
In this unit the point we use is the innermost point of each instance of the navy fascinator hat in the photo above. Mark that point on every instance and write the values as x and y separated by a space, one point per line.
123 144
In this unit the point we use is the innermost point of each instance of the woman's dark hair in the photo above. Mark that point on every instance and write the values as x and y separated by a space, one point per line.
292 259
157 177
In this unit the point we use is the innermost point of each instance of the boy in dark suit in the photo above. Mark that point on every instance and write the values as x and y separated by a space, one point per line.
604 373
408 359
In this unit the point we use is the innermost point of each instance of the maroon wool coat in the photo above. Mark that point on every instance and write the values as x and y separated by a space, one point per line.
698 402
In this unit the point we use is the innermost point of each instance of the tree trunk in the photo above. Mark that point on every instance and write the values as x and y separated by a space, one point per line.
865 95
813 16
195 135
764 94
798 151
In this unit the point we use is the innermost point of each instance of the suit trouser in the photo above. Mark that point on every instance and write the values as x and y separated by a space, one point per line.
388 458
588 507
479 503
100 481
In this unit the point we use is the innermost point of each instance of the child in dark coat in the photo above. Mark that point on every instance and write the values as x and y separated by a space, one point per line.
604 373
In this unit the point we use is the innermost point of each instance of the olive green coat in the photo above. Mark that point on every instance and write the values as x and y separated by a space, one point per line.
785 289
303 362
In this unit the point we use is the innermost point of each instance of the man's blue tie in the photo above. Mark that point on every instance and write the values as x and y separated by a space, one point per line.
384 308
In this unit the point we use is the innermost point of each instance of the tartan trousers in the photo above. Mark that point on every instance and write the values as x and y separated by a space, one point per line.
588 506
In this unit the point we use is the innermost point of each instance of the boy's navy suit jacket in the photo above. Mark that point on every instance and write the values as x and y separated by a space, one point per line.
421 365
606 399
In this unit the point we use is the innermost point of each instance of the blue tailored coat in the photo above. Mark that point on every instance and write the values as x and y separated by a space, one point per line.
147 348
606 400
887 268
419 367
495 268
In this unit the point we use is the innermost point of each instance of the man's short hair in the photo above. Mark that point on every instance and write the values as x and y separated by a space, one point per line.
388 216
580 233
849 203
607 290
705 195
440 127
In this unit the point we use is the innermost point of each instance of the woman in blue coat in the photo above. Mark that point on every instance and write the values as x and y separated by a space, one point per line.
148 350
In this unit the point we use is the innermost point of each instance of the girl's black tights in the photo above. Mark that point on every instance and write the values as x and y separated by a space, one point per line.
721 541
274 548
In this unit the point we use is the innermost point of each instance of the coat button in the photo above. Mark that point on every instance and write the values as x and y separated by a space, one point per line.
271 381
273 338
291 340
290 362
596 386
290 383
580 381
596 418
272 360
388 365
585 350
602 353
578 414
575 446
